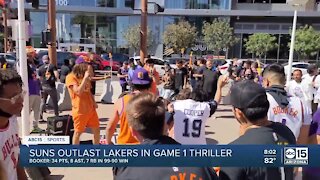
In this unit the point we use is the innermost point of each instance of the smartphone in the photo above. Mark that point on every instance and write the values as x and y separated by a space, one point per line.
168 117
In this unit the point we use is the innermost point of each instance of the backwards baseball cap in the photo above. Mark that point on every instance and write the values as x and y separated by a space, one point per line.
141 77
248 94
80 60
83 59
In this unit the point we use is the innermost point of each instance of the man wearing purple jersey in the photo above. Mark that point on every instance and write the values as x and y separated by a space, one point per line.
314 138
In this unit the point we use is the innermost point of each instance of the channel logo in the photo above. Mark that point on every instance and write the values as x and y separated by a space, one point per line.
296 156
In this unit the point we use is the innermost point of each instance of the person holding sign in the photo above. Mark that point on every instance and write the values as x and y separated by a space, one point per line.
146 117
84 112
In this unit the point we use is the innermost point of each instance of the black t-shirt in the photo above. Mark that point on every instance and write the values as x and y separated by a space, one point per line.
48 79
193 71
180 74
275 133
64 71
155 173
201 69
210 81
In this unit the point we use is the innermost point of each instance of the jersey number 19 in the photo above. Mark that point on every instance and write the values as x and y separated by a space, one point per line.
196 128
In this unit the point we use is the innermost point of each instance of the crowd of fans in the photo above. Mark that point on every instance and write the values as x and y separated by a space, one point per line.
173 109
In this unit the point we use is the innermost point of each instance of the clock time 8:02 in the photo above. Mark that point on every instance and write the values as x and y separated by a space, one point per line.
269 152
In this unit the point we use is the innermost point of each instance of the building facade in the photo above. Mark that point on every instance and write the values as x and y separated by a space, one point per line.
101 23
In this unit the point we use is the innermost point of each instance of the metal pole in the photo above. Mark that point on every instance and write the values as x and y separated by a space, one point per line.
278 53
52 47
111 64
5 31
23 67
143 32
241 38
293 35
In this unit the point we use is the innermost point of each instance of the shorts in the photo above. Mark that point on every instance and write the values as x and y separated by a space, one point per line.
82 121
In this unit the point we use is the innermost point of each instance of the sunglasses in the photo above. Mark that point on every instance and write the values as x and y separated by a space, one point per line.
15 98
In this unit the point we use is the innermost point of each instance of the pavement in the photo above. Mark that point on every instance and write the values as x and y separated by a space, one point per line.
222 128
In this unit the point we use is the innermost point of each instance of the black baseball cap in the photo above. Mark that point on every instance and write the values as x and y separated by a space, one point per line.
248 94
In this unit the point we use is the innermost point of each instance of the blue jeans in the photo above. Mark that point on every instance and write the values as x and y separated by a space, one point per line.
193 83
124 87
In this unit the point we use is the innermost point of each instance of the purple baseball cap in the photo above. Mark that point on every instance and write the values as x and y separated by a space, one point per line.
80 60
141 77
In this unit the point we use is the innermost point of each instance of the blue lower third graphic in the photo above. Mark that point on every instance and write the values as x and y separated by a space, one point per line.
168 155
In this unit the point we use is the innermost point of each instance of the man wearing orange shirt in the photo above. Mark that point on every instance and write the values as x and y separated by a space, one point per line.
141 84
154 75
83 104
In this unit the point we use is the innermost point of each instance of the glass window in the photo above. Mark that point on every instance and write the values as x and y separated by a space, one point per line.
38 22
284 49
279 1
263 1
127 3
101 3
122 24
81 2
75 28
197 4
82 28
176 4
64 28
43 2
106 3
36 41
106 33
273 54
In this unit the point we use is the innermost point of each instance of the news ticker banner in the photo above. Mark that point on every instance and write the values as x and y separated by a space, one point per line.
169 155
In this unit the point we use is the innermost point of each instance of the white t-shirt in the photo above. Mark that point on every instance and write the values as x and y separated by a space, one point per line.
307 81
9 144
316 88
190 120
301 90
317 96
293 116
316 81
296 89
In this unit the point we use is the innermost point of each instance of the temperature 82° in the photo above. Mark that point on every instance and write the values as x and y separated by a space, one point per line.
269 160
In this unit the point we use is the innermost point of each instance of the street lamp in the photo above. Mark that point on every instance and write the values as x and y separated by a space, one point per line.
293 36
